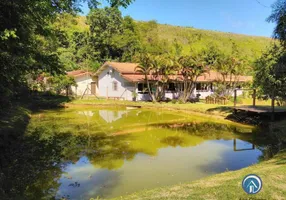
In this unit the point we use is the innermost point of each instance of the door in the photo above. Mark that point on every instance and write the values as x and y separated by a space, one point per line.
93 88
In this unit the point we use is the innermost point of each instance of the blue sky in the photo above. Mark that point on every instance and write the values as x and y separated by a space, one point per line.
236 16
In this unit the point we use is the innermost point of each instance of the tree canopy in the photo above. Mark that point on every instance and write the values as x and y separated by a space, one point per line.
29 43
270 76
270 68
278 16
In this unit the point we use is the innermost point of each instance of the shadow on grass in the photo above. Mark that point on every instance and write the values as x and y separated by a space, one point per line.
281 158
224 109
15 117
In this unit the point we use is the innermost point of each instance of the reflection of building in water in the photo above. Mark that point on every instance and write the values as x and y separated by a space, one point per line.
86 113
235 148
111 116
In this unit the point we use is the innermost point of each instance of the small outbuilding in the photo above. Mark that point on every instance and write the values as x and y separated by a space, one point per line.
86 83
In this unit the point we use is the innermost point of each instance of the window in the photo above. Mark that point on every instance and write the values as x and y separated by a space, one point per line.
142 88
203 87
114 86
171 87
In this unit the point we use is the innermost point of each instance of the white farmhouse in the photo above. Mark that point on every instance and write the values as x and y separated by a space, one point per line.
116 80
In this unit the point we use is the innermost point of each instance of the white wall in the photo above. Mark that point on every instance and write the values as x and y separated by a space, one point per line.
124 87
204 94
143 97
82 83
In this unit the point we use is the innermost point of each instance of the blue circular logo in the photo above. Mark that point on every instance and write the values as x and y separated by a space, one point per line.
252 184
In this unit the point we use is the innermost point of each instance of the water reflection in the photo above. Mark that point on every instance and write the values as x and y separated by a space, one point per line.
244 148
111 116
82 154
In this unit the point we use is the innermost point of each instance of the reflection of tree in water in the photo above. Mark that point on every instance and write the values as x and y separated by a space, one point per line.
269 151
29 167
211 130
264 140
173 141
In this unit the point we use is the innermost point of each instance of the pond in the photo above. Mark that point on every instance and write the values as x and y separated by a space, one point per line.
86 152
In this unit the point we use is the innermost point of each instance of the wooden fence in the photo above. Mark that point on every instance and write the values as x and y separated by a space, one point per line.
216 100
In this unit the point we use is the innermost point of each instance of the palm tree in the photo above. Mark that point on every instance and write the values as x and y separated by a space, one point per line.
191 68
157 69
163 67
229 68
145 66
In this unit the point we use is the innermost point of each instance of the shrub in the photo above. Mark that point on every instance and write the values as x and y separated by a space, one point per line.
174 101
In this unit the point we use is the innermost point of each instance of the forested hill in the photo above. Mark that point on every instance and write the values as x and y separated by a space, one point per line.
106 35
197 39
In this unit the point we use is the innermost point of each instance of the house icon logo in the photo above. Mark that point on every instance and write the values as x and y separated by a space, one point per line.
252 184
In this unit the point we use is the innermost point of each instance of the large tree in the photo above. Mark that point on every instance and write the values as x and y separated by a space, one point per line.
270 70
278 16
270 73
111 36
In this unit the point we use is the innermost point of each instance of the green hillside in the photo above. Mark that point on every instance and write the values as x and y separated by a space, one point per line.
196 39
80 48
192 39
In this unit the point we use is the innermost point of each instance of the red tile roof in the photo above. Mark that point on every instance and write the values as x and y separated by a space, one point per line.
216 76
128 72
78 73
122 68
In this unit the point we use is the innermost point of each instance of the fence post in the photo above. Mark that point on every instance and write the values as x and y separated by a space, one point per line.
235 97
254 97
273 106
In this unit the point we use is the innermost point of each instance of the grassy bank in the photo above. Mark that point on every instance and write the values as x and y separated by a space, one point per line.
221 110
200 107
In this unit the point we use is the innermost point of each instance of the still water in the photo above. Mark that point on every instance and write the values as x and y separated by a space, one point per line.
84 153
